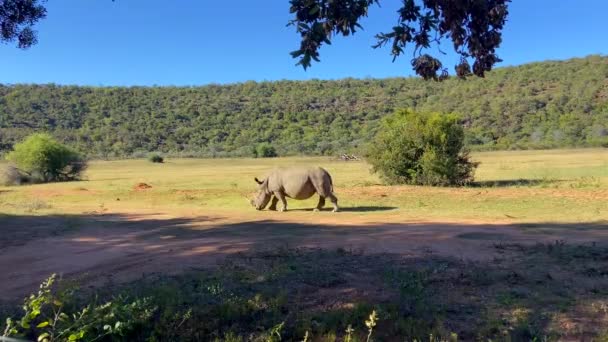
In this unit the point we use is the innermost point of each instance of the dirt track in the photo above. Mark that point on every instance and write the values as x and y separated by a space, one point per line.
121 247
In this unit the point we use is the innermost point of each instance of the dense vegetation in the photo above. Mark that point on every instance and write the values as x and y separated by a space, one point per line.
421 149
156 158
539 105
41 158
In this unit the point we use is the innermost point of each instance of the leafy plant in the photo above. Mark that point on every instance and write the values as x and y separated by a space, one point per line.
155 158
264 150
44 159
50 316
370 323
421 148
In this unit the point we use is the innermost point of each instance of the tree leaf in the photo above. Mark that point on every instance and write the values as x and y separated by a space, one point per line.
42 324
73 337
43 337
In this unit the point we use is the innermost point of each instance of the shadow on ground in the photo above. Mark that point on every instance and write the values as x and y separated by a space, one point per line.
476 280
360 209
367 208
505 183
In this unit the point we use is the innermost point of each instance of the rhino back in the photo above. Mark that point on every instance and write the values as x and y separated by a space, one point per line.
297 182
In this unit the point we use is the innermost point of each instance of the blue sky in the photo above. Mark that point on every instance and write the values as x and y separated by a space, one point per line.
194 42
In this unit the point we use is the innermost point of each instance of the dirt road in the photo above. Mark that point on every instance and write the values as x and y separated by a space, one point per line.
100 248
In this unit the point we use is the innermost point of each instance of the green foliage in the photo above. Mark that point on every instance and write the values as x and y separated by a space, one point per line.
155 158
17 18
264 150
50 316
46 160
421 148
539 105
474 27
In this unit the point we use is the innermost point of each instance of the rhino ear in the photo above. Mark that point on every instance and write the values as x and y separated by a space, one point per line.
258 181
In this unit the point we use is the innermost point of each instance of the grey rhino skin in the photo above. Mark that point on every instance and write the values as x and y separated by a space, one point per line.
297 183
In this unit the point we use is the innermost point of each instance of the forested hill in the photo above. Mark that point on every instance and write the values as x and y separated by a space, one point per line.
539 105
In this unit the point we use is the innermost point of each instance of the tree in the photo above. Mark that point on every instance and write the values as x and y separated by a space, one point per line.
474 27
264 150
156 158
46 160
421 149
16 20
529 106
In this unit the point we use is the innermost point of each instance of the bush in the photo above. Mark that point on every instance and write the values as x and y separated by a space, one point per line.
44 159
264 150
51 315
422 149
156 158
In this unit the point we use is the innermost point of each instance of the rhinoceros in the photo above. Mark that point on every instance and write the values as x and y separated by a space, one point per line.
297 183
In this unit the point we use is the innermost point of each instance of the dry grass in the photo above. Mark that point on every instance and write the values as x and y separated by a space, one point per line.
519 290
522 186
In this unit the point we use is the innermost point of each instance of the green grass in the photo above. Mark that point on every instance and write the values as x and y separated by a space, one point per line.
522 186
521 292
527 293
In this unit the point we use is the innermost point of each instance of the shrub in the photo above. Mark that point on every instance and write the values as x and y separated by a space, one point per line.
264 150
44 159
51 315
422 149
156 158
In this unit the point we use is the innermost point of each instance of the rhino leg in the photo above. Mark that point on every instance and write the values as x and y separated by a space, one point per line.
325 190
281 197
321 203
334 201
273 203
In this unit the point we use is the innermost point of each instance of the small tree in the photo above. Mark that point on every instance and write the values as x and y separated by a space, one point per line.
421 148
155 158
264 150
44 159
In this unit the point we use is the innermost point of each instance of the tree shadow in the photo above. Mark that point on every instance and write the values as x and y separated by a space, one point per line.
350 262
505 183
370 208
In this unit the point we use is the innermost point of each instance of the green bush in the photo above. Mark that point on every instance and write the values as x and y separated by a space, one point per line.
264 150
422 149
156 158
52 315
44 159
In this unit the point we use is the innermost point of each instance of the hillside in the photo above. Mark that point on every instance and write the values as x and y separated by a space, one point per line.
539 105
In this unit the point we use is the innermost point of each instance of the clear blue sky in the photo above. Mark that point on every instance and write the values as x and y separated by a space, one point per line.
194 42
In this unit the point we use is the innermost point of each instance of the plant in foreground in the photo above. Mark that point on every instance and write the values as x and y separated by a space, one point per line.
49 316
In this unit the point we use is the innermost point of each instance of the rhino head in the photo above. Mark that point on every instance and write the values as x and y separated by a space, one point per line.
261 199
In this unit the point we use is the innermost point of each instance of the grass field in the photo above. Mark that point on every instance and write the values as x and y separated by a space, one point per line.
529 186
520 255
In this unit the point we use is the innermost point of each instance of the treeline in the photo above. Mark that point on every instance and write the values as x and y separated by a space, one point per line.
539 105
